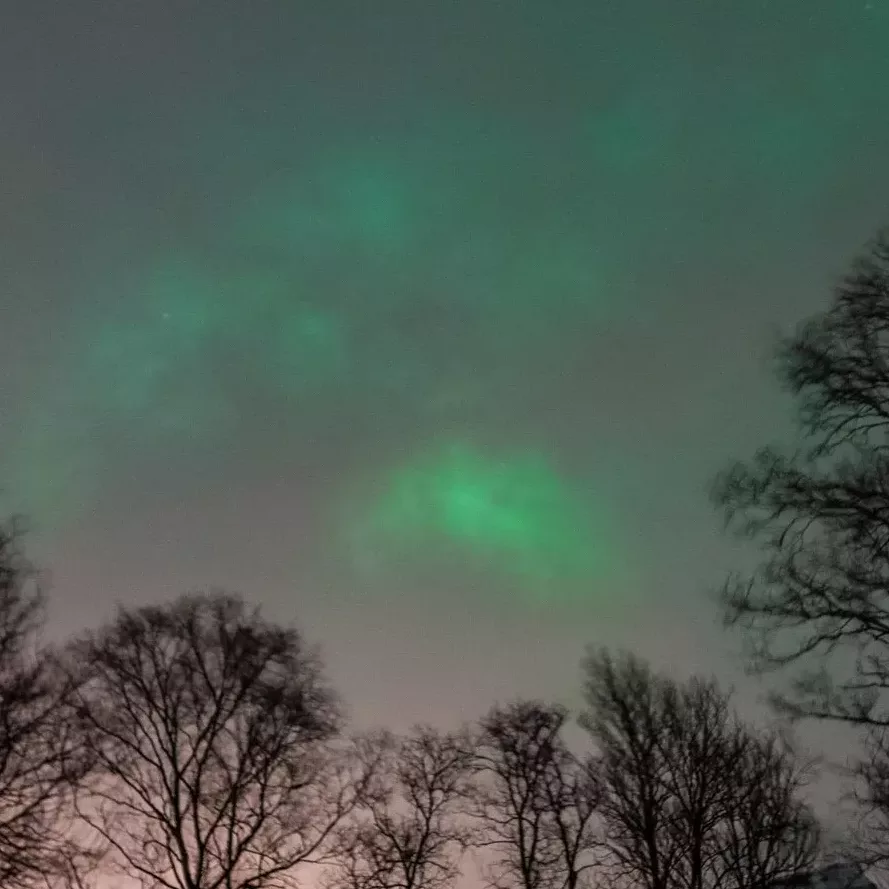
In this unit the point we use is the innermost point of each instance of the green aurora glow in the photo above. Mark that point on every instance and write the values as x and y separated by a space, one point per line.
513 515
348 275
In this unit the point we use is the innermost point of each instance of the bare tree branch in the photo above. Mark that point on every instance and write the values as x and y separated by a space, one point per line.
407 832
821 595
535 802
690 797
818 605
211 731
42 758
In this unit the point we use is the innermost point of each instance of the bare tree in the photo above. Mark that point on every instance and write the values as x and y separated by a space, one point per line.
820 600
677 771
624 703
767 833
407 831
535 801
42 759
211 731
866 838
817 608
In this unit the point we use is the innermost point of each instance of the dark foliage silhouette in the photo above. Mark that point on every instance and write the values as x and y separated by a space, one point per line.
406 832
211 731
817 608
42 759
690 797
535 801
820 600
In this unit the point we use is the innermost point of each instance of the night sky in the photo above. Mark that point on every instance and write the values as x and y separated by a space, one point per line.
422 324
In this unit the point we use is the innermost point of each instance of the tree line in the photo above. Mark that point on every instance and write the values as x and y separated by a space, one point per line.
197 745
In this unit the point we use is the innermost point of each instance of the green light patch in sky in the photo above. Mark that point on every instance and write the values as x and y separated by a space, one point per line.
515 516
361 206
167 365
409 277
302 348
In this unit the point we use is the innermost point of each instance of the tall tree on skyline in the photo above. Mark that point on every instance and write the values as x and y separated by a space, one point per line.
535 800
211 729
817 607
407 831
42 758
691 798
819 602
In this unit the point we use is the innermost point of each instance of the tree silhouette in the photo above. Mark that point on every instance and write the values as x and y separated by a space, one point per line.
766 833
535 801
820 600
406 833
42 759
211 731
818 605
690 797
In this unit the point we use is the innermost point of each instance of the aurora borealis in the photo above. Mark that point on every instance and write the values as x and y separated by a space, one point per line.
425 323
515 515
